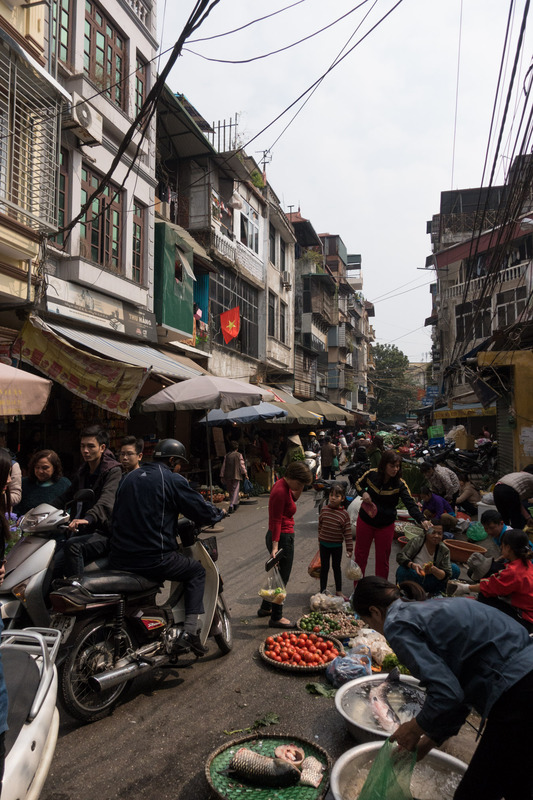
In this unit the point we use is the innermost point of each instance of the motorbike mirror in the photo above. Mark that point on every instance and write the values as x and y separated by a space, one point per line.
83 496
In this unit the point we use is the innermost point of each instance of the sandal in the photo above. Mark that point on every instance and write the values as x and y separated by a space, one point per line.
274 623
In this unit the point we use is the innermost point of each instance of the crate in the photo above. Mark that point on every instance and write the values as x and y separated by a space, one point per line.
436 432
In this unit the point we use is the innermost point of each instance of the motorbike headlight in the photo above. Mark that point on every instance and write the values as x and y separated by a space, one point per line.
32 520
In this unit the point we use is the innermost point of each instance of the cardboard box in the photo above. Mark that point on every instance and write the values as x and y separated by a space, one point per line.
465 441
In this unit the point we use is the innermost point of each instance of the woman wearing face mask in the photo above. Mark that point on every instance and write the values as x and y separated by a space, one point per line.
466 655
45 481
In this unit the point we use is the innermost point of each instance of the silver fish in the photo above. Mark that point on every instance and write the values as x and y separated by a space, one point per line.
385 715
263 770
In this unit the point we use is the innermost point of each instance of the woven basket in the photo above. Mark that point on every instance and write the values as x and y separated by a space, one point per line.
230 789
296 667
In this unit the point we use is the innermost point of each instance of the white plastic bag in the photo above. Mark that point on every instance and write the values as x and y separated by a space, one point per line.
326 602
353 571
353 512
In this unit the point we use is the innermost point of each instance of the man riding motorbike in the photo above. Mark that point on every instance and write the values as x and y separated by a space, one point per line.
143 538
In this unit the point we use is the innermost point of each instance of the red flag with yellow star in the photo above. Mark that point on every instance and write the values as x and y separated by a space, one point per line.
230 322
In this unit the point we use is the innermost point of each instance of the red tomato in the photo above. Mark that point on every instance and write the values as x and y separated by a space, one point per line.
316 629
303 636
269 641
329 656
296 658
312 648
313 637
285 635
322 646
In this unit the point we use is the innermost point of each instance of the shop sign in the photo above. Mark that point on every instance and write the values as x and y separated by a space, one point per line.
108 384
94 308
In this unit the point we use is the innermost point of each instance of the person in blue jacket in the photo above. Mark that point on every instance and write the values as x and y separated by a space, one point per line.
466 655
143 529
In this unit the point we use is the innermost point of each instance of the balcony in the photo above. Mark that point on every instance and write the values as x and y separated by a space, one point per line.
475 285
30 114
226 247
312 342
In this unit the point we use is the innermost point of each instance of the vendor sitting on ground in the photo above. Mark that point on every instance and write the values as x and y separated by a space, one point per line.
435 507
511 589
426 560
468 497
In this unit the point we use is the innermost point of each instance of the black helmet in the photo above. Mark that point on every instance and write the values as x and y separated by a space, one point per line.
170 448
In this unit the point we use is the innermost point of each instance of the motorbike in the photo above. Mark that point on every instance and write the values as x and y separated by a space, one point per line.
353 472
125 625
312 460
28 658
107 614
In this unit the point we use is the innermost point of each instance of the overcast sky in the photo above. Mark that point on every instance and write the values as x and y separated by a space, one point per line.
370 152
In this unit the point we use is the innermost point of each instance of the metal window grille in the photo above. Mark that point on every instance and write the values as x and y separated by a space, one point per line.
29 135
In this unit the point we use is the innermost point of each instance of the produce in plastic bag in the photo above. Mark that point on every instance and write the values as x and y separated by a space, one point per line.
353 571
273 589
390 775
326 602
314 566
375 641
341 670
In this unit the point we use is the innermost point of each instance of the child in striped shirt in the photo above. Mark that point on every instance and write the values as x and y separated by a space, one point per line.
333 527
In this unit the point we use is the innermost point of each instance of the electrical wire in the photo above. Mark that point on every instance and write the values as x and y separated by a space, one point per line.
281 49
457 90
247 25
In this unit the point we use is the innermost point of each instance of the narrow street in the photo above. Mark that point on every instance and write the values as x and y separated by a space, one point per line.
157 742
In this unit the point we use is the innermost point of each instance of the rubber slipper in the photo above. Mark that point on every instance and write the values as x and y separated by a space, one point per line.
273 623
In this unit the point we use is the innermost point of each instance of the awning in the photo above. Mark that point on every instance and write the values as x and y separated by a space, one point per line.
183 360
109 384
136 354
458 411
281 396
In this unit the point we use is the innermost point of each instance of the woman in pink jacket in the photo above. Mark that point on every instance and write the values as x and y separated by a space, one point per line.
232 471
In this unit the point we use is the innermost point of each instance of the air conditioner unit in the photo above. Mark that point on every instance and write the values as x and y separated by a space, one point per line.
83 120
286 279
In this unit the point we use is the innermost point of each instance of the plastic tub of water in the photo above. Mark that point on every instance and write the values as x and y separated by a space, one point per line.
436 777
351 701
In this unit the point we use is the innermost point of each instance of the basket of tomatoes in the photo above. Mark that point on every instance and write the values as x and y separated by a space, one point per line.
300 652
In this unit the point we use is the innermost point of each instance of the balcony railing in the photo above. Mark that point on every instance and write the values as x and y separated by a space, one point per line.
224 245
29 132
509 274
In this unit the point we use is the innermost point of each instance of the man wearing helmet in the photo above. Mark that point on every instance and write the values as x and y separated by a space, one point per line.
143 537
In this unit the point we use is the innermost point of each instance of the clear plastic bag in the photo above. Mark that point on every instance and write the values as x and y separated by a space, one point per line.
390 775
273 589
353 571
326 602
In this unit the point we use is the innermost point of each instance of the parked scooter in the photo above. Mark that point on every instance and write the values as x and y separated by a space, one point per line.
28 658
122 628
312 460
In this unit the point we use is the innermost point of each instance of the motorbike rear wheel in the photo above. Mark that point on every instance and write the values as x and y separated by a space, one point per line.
224 639
92 652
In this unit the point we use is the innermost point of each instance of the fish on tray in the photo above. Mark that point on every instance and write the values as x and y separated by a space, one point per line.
383 712
262 770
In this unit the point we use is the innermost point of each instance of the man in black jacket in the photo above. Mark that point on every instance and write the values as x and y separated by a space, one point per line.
143 539
91 526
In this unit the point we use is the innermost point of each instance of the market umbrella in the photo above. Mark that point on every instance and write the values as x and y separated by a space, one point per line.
245 415
206 392
295 414
328 410
21 392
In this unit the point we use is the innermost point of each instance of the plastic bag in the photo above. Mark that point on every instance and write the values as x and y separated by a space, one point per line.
247 486
326 602
353 511
341 670
476 532
273 589
353 571
314 566
390 775
335 463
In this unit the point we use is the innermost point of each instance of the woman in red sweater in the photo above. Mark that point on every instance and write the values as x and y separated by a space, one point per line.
511 589
280 534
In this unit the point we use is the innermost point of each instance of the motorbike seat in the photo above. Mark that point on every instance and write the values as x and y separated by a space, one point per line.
116 581
22 680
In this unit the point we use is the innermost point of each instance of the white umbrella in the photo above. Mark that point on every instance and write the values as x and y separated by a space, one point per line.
21 392
244 415
207 392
